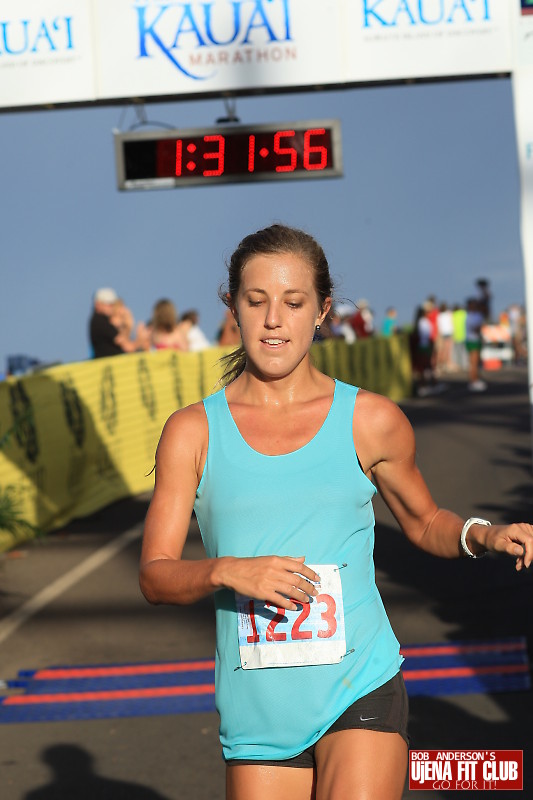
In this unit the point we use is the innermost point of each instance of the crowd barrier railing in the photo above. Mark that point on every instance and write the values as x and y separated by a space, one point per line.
79 436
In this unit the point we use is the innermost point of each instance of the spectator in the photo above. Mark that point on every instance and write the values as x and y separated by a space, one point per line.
122 318
107 339
517 325
362 321
484 299
165 331
422 352
460 356
334 324
474 322
424 330
389 325
445 339
344 311
228 333
432 314
196 338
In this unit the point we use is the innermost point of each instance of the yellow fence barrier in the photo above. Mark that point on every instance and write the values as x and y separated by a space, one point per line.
83 435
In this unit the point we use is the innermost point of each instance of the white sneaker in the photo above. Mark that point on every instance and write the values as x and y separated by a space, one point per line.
477 386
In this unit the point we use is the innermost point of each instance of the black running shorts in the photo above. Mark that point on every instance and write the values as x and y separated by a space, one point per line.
385 709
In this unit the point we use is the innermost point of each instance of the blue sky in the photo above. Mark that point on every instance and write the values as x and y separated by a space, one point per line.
429 201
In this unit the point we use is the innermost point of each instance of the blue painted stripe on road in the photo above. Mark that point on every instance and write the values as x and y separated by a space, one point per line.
470 659
108 709
484 684
487 654
119 682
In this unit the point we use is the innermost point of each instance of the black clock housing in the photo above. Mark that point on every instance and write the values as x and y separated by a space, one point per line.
227 154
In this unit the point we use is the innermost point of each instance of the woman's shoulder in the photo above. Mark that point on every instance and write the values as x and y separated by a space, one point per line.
381 431
382 422
186 427
182 447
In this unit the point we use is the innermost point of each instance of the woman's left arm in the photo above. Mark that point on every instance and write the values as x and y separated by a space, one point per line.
389 446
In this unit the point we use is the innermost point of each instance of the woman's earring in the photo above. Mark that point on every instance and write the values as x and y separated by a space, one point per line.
317 328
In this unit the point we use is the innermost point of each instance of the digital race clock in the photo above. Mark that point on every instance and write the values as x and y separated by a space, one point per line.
228 154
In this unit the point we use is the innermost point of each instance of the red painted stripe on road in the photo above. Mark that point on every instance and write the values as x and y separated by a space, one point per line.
462 672
125 694
193 666
201 689
136 669
451 650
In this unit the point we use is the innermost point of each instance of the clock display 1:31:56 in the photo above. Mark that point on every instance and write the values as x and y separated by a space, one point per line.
217 154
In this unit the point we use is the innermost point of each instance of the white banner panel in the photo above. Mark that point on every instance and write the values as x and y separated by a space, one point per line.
60 51
151 47
523 105
46 52
523 32
394 39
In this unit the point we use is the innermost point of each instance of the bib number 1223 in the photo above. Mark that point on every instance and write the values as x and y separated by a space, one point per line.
313 634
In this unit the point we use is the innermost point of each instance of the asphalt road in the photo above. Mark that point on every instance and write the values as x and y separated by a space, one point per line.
475 453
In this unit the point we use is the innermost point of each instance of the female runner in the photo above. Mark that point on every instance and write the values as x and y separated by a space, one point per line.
281 467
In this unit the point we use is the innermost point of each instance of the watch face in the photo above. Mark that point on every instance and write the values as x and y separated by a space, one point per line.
229 154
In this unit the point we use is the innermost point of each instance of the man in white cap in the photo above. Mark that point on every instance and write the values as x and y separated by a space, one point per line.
106 338
362 321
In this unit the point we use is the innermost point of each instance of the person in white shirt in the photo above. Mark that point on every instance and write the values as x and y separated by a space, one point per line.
474 322
195 336
445 339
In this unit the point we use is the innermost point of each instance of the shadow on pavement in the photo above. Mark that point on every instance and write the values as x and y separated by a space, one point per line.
490 601
504 404
114 518
74 778
476 452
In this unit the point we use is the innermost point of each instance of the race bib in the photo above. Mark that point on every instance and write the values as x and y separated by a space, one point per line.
313 634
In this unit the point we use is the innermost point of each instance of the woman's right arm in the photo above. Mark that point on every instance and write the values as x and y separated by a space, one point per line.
167 578
164 576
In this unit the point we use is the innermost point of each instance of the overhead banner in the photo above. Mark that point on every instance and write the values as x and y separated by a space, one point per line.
398 39
47 50
65 51
198 47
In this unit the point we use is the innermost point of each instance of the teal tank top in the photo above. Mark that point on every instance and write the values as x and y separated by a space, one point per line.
317 502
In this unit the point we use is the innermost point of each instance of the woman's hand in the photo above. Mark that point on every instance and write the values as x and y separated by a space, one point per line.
279 580
516 540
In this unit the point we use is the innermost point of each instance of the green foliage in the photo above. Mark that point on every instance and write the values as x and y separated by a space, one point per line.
6 437
11 519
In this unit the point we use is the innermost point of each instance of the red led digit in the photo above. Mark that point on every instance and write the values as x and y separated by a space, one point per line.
179 155
255 636
296 633
285 151
310 149
251 153
218 154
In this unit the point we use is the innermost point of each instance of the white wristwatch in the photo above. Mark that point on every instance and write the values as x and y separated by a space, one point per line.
466 528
